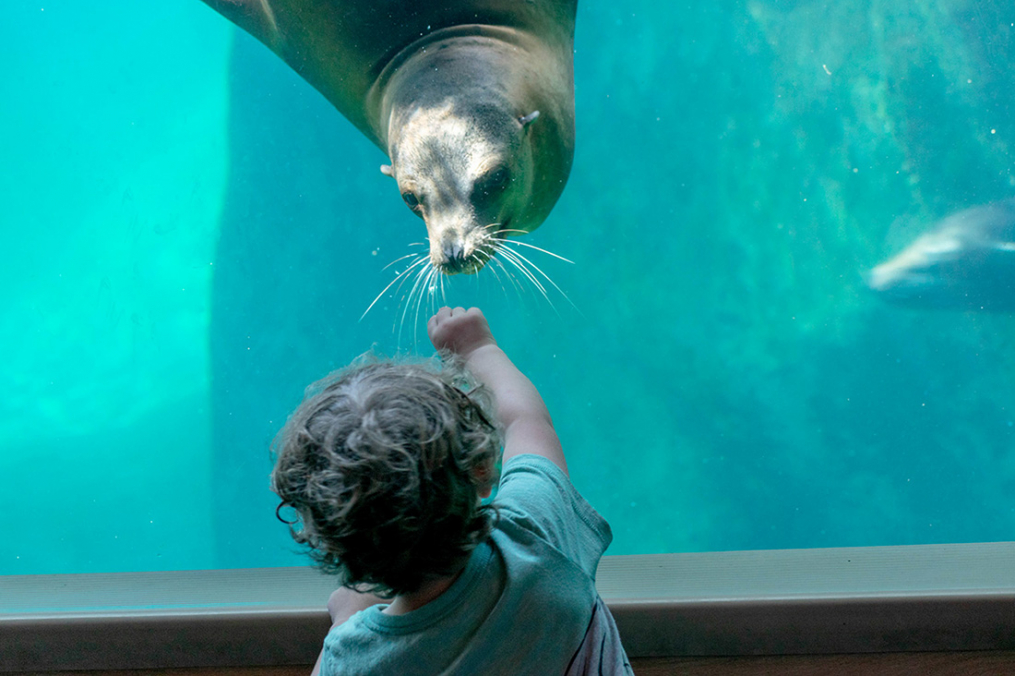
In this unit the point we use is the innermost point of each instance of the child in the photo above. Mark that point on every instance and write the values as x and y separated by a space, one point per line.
386 466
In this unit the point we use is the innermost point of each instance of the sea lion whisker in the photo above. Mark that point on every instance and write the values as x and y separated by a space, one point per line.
533 246
418 286
523 264
412 292
444 296
511 278
488 259
400 258
428 287
422 260
512 258
396 323
418 289
501 232
425 289
532 278
400 275
545 276
485 256
436 284
514 282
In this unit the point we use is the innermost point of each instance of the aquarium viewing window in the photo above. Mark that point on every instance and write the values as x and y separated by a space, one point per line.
736 356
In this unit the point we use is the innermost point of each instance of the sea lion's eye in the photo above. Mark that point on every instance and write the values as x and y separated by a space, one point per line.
493 182
410 200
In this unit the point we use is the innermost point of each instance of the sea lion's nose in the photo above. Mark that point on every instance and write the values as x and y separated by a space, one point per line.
454 256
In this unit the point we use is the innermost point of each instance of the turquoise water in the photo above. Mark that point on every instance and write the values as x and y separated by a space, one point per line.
192 234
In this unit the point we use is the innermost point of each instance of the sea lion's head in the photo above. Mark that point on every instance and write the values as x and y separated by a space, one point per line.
925 272
467 171
966 261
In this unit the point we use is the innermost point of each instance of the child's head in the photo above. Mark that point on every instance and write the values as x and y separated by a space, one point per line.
384 462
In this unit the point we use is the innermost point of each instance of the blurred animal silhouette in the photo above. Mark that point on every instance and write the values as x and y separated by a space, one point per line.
966 261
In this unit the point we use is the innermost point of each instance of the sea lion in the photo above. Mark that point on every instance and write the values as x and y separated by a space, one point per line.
473 101
966 262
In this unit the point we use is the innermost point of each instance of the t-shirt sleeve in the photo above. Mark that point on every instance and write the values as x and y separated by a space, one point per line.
538 498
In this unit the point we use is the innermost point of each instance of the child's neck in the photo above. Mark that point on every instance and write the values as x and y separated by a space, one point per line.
403 603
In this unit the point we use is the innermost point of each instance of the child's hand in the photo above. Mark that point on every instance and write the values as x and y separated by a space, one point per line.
461 331
520 410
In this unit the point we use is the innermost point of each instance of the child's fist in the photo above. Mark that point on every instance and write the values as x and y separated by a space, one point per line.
459 330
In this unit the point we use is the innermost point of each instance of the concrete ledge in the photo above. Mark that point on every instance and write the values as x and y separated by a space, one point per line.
784 602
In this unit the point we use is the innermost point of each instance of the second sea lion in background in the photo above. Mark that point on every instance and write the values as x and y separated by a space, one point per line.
473 101
964 262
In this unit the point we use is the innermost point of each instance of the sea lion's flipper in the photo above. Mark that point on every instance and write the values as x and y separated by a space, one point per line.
254 16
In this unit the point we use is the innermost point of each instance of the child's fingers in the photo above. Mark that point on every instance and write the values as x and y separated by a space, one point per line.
450 321
440 316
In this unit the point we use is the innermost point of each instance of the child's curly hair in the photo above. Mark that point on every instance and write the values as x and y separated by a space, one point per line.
383 462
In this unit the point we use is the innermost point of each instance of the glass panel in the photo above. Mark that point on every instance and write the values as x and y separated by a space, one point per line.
192 235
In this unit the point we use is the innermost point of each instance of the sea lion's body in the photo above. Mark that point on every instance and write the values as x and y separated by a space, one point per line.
447 89
966 261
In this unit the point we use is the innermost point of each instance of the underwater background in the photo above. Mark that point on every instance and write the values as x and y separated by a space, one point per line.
191 234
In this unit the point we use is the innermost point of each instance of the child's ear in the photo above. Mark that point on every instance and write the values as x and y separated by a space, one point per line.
484 477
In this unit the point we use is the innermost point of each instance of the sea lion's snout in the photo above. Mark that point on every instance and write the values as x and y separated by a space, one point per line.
454 258
920 273
894 282
966 262
455 252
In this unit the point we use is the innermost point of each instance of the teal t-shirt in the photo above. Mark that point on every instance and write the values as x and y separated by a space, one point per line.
522 605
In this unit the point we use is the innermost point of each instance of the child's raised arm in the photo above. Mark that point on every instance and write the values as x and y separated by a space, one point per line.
520 409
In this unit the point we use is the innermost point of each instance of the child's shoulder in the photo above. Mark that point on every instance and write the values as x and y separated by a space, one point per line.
536 499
